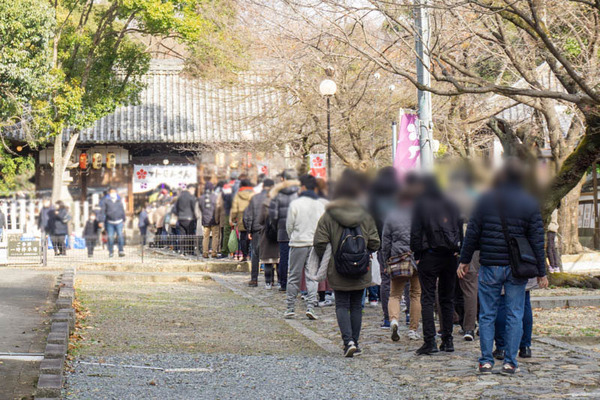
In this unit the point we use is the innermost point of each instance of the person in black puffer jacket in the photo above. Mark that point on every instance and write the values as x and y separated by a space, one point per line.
59 227
283 194
435 239
484 233
210 220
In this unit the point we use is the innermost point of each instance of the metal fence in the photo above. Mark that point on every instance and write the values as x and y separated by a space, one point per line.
20 249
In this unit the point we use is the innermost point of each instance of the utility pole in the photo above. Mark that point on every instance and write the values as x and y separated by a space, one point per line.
422 35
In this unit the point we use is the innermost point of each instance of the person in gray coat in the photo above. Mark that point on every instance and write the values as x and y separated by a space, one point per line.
396 242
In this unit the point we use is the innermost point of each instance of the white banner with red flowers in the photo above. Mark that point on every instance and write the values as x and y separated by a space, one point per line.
317 166
151 177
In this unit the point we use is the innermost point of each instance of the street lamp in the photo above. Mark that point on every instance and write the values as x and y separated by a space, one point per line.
328 89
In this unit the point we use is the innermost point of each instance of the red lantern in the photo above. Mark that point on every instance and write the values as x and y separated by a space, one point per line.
83 160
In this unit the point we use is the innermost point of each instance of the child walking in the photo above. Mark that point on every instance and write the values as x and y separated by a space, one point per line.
90 233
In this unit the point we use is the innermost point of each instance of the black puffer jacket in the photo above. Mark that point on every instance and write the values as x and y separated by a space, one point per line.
484 232
185 206
253 211
282 194
208 206
59 222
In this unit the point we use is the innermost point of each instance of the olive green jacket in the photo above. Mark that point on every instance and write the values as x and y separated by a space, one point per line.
339 214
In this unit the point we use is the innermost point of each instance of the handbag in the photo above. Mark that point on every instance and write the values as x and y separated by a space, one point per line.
523 262
401 266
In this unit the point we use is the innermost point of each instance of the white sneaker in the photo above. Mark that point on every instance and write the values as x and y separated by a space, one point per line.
413 335
326 303
394 329
374 303
289 314
268 286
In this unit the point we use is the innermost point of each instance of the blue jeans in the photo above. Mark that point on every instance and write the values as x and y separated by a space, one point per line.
491 282
111 229
527 324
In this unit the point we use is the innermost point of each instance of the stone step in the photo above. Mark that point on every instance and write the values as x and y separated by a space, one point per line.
564 301
49 385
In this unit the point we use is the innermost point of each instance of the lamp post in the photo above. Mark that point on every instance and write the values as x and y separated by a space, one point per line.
328 89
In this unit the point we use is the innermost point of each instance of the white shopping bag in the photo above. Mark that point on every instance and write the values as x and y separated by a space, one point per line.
375 270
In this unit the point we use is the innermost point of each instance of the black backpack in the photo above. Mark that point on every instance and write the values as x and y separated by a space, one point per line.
352 258
270 229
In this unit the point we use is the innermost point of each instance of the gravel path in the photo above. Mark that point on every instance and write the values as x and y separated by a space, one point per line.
229 377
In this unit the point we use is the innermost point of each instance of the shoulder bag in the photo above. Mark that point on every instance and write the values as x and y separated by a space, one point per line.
523 262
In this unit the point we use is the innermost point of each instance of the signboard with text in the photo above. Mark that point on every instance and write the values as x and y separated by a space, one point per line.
408 149
149 177
23 247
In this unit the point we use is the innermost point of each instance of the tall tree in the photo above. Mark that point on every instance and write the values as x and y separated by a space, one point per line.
543 54
101 51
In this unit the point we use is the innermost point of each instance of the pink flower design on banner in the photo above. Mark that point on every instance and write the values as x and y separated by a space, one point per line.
264 169
141 174
317 162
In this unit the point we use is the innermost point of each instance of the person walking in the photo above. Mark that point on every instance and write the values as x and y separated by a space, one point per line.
268 246
185 210
45 215
282 195
302 219
435 239
211 213
350 232
226 201
395 249
90 233
382 200
551 251
253 224
236 219
59 227
112 218
144 222
504 210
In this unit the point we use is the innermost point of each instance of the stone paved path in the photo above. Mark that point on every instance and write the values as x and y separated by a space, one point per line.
553 372
243 348
24 299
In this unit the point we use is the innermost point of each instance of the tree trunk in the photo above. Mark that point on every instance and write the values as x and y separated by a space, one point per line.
57 168
61 161
575 165
568 222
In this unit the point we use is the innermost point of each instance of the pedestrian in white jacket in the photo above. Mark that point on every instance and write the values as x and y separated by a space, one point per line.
302 219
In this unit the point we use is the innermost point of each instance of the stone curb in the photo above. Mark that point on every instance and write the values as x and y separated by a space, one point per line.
51 379
564 301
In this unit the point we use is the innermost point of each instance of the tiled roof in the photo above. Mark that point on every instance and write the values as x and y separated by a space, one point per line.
176 109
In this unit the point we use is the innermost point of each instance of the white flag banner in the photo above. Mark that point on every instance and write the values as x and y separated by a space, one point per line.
149 177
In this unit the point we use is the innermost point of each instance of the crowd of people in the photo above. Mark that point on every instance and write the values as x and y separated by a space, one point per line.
396 241
464 260
108 217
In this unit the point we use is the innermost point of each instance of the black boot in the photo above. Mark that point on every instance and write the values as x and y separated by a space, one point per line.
427 349
447 344
525 352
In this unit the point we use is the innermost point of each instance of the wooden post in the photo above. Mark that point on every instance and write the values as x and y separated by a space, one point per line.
596 221
130 190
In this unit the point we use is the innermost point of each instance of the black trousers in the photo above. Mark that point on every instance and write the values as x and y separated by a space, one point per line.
244 243
187 243
431 267
255 257
90 244
348 310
